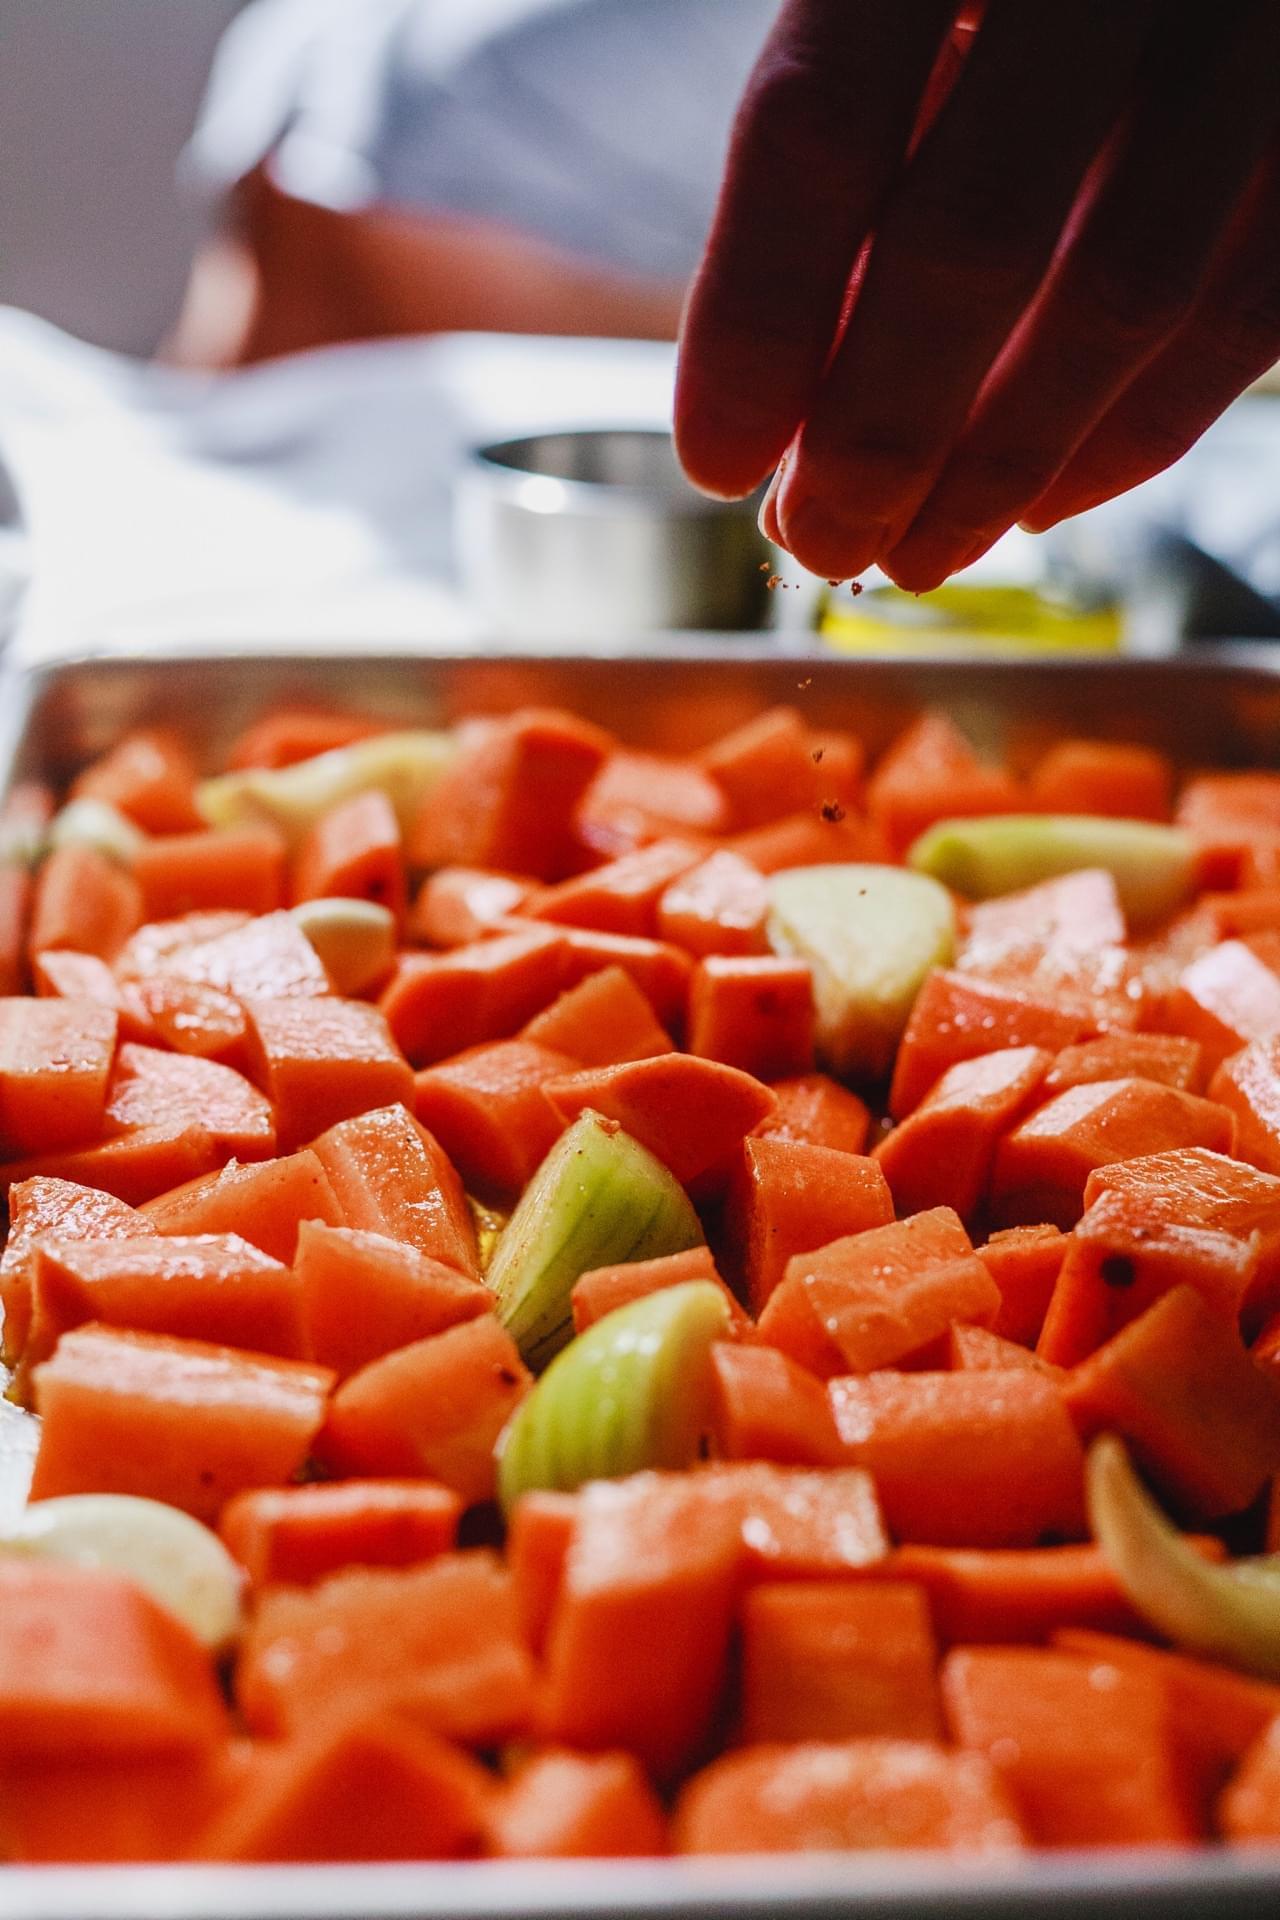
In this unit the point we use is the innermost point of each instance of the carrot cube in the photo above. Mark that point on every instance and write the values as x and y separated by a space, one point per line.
298 1535
212 1287
692 1114
662 972
1247 1084
353 852
84 901
90 1664
265 1202
171 1420
59 1208
459 904
1229 996
1041 1169
1024 1262
324 1060
236 867
1201 1418
439 1644
788 1198
932 773
766 1407
1104 776
601 1021
849 1795
966 1459
719 906
510 797
756 1014
373 1790
838 1660
622 895
877 1297
150 777
153 1088
437 1003
818 1111
570 1806
776 764
436 1408
942 1153
55 1058
365 1295
485 1107
1168 1057
390 1176
957 1016
1084 1747
602 1290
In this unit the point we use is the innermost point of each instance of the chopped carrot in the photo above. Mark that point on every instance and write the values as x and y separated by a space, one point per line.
486 1108
539 1532
756 1014
84 901
972 1349
353 852
622 895
1229 996
438 1644
365 1295
957 1016
190 1017
662 972
118 1809
1202 1420
797 1524
932 773
435 1407
719 906
150 1088
298 1535
1103 776
692 1114
563 1805
264 958
838 1660
436 1003
966 1459
653 1568
1041 1168
61 973
289 734
1250 910
878 1297
1168 1057
942 1153
814 838
510 796
602 1020
990 1596
171 1420
1057 920
766 1407
90 1664
374 1789
774 764
818 1111
59 1208
213 1287
55 1059
236 867
1215 1715
135 1166
1248 1085
390 1176
854 1794
456 905
787 1197
1024 1262
322 1061
266 1202
1083 1747
639 797
150 777
603 1290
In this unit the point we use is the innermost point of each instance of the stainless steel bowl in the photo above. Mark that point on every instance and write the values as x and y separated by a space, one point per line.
596 534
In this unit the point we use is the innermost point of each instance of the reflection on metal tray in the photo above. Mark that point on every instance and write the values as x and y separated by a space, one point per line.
1224 710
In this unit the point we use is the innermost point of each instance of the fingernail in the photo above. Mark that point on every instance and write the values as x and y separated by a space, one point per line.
767 518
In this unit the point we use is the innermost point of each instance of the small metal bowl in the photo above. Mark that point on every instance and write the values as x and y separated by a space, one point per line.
596 534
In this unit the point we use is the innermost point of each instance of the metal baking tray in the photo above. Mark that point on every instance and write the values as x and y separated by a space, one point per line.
1220 709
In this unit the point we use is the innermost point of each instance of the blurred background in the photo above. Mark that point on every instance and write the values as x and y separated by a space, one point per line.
97 100
271 271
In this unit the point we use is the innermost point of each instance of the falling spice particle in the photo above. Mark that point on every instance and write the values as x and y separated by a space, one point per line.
833 811
816 756
802 684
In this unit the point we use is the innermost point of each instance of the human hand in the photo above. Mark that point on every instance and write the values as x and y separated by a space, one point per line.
963 275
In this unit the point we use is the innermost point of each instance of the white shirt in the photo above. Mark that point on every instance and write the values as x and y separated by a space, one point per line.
599 125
